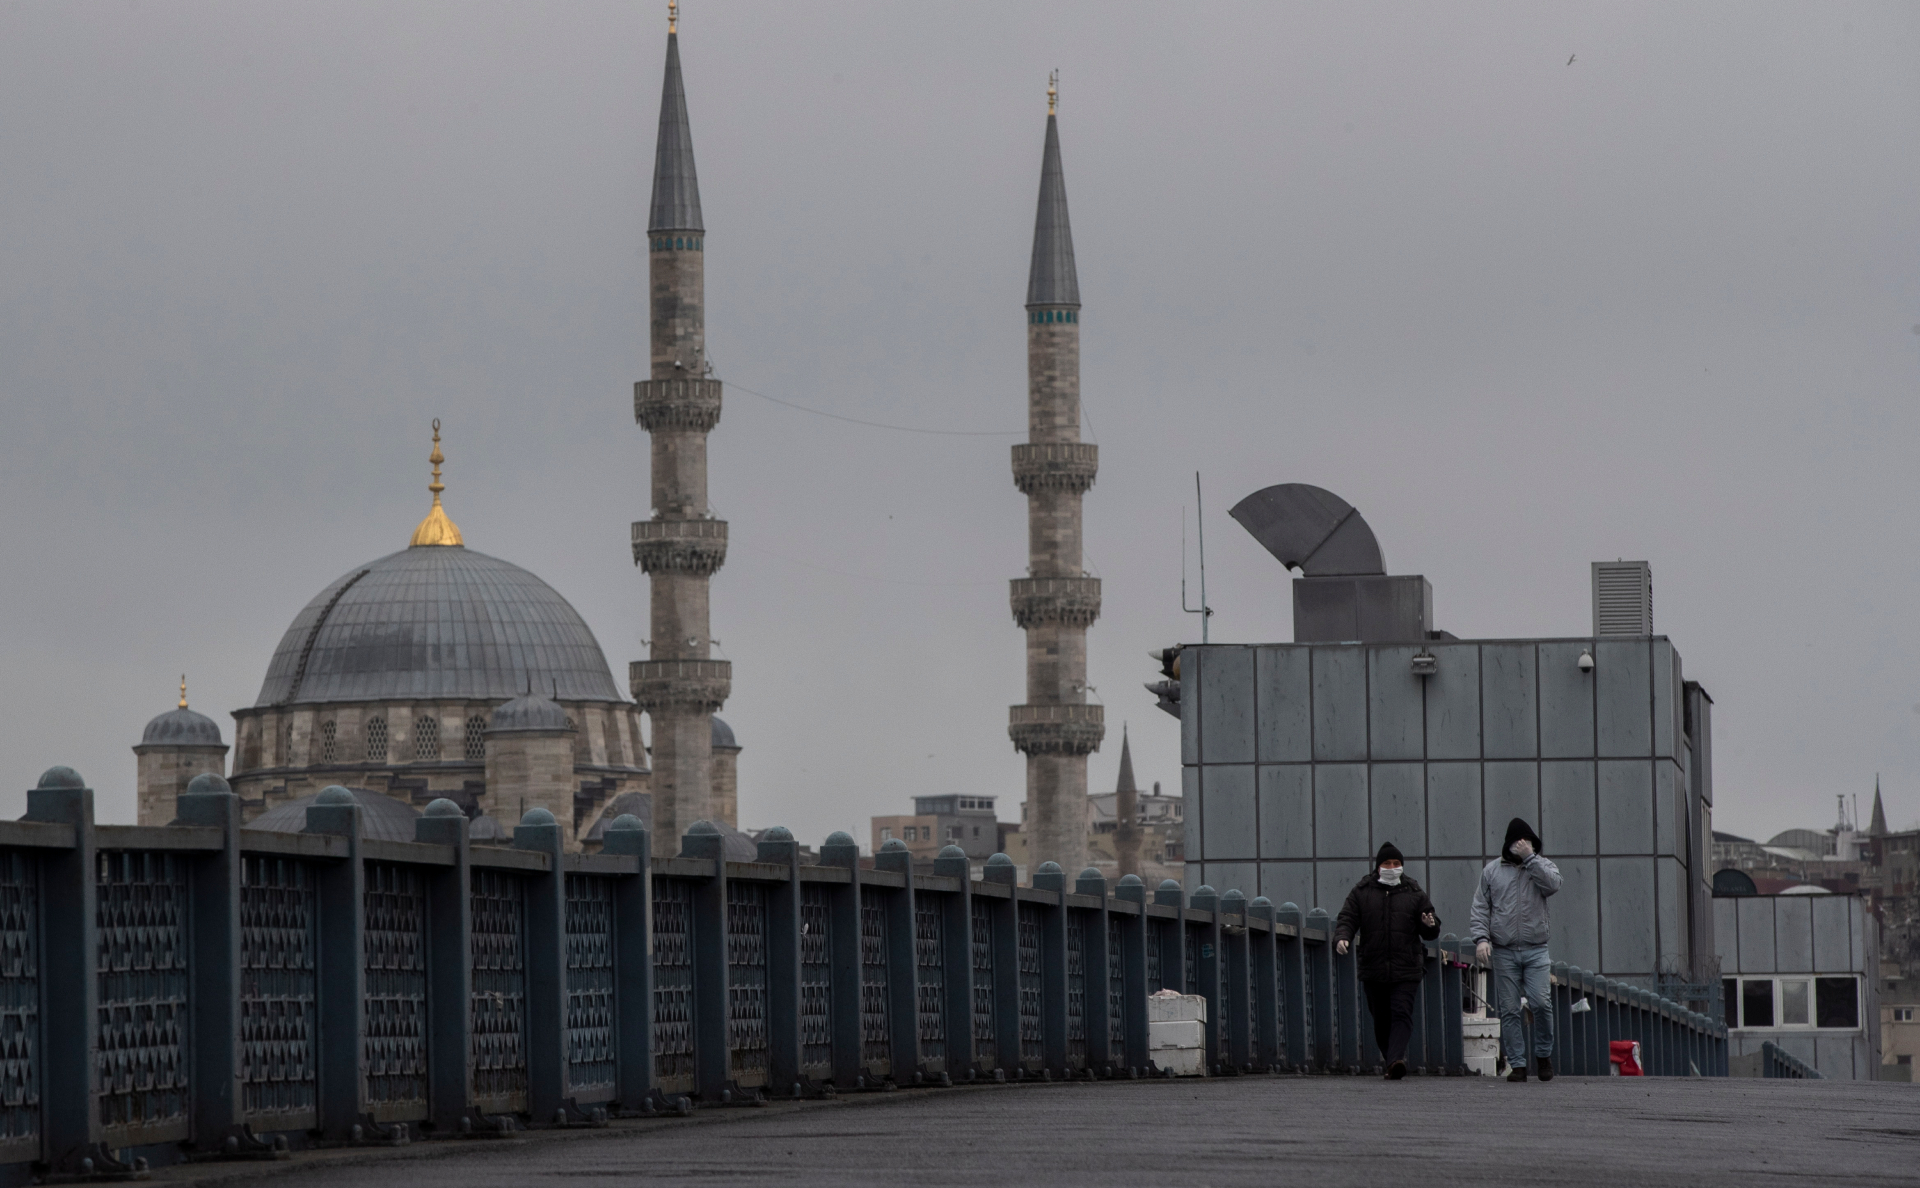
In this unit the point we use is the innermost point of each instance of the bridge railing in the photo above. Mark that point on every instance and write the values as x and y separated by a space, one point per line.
202 989
1776 1061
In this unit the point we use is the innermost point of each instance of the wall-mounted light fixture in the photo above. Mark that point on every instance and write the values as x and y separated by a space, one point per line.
1425 663
1586 661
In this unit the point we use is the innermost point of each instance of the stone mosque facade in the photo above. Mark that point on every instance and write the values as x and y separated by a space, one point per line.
439 671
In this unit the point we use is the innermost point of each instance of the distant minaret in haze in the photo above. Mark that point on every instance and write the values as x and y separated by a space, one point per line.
1126 813
1056 602
681 546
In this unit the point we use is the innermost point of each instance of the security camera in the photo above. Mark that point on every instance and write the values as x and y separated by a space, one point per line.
1586 662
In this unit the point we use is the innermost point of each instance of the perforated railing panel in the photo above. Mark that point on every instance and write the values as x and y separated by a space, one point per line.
931 989
985 1050
876 1038
499 1004
816 979
276 986
19 997
1116 991
1032 1043
672 980
590 983
1156 937
1076 989
142 1063
395 1050
747 980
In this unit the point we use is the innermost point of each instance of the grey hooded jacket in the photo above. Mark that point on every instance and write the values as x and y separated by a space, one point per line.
1510 907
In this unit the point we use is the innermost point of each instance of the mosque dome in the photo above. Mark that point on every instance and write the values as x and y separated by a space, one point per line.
436 621
722 735
529 711
181 728
382 817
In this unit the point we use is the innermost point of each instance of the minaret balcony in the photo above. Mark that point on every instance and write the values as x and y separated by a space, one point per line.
1055 466
686 404
700 686
1074 602
1056 729
680 546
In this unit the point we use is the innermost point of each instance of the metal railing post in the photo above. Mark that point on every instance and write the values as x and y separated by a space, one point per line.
849 1065
1001 872
1236 1050
1562 1016
1133 961
1453 1056
1053 965
69 985
776 847
1097 1011
1290 972
632 961
1346 1011
707 934
1433 1014
449 966
1204 920
218 1101
1264 986
903 965
1319 963
548 1093
956 934
340 892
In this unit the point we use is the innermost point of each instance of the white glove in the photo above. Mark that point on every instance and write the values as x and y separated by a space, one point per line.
1483 952
1523 849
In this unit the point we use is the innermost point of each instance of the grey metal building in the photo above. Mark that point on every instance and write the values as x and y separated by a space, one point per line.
1300 759
1801 971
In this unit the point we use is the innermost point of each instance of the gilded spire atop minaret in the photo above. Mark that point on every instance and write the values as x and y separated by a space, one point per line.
673 16
183 690
436 529
1053 92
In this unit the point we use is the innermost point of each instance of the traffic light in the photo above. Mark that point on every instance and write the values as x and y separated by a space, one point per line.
1168 690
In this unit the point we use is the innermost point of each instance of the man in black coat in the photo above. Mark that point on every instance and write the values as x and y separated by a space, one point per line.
1392 917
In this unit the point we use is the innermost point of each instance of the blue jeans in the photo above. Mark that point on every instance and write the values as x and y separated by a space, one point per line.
1518 971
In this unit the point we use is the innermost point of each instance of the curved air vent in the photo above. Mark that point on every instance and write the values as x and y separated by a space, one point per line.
1311 529
320 620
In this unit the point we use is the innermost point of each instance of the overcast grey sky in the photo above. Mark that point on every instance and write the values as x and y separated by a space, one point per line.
1660 302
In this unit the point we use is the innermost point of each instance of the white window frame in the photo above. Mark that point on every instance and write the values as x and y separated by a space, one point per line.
1779 1002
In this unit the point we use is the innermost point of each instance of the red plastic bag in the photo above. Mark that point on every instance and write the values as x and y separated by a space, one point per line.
1625 1055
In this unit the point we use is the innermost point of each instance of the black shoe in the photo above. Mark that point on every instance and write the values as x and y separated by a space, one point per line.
1543 1067
1396 1070
1518 1074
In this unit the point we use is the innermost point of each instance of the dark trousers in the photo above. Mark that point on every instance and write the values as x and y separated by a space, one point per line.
1392 1006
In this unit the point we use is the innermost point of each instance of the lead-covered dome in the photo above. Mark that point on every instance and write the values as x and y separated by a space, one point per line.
440 621
181 728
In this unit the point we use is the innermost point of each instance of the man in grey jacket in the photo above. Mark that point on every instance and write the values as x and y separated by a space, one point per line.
1510 933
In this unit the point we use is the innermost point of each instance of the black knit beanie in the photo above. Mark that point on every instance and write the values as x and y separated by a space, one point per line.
1387 850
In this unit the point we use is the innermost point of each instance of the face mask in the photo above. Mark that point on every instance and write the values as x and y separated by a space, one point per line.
1390 875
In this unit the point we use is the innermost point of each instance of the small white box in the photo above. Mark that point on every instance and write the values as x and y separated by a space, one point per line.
1176 1033
1181 1062
1165 1007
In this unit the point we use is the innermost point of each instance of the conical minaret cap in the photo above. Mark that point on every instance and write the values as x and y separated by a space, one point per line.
676 188
1125 782
1052 279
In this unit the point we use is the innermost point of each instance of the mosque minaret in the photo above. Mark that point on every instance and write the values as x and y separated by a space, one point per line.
680 685
1057 601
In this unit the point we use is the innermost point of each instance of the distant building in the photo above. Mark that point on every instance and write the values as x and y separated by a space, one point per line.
968 821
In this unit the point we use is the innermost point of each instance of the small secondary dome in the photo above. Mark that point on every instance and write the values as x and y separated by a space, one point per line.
382 817
181 727
529 711
723 735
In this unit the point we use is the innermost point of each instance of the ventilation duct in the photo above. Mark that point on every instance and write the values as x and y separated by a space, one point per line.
1622 598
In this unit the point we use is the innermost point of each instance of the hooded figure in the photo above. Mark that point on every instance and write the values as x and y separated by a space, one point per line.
1510 933
1393 918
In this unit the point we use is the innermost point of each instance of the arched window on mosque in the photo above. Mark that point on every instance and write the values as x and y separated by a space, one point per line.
426 737
376 740
476 737
329 733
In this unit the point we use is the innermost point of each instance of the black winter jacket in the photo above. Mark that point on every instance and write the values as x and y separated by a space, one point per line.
1387 920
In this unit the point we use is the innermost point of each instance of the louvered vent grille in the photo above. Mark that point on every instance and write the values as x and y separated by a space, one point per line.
1622 598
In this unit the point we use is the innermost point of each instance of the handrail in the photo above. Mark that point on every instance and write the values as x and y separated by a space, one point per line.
1777 1062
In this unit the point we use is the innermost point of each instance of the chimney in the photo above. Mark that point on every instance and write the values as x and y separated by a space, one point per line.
1622 598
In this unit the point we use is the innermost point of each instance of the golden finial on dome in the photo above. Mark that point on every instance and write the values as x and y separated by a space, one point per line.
1053 91
436 529
673 16
183 690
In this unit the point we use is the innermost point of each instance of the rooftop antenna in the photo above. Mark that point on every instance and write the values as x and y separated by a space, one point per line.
1203 610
